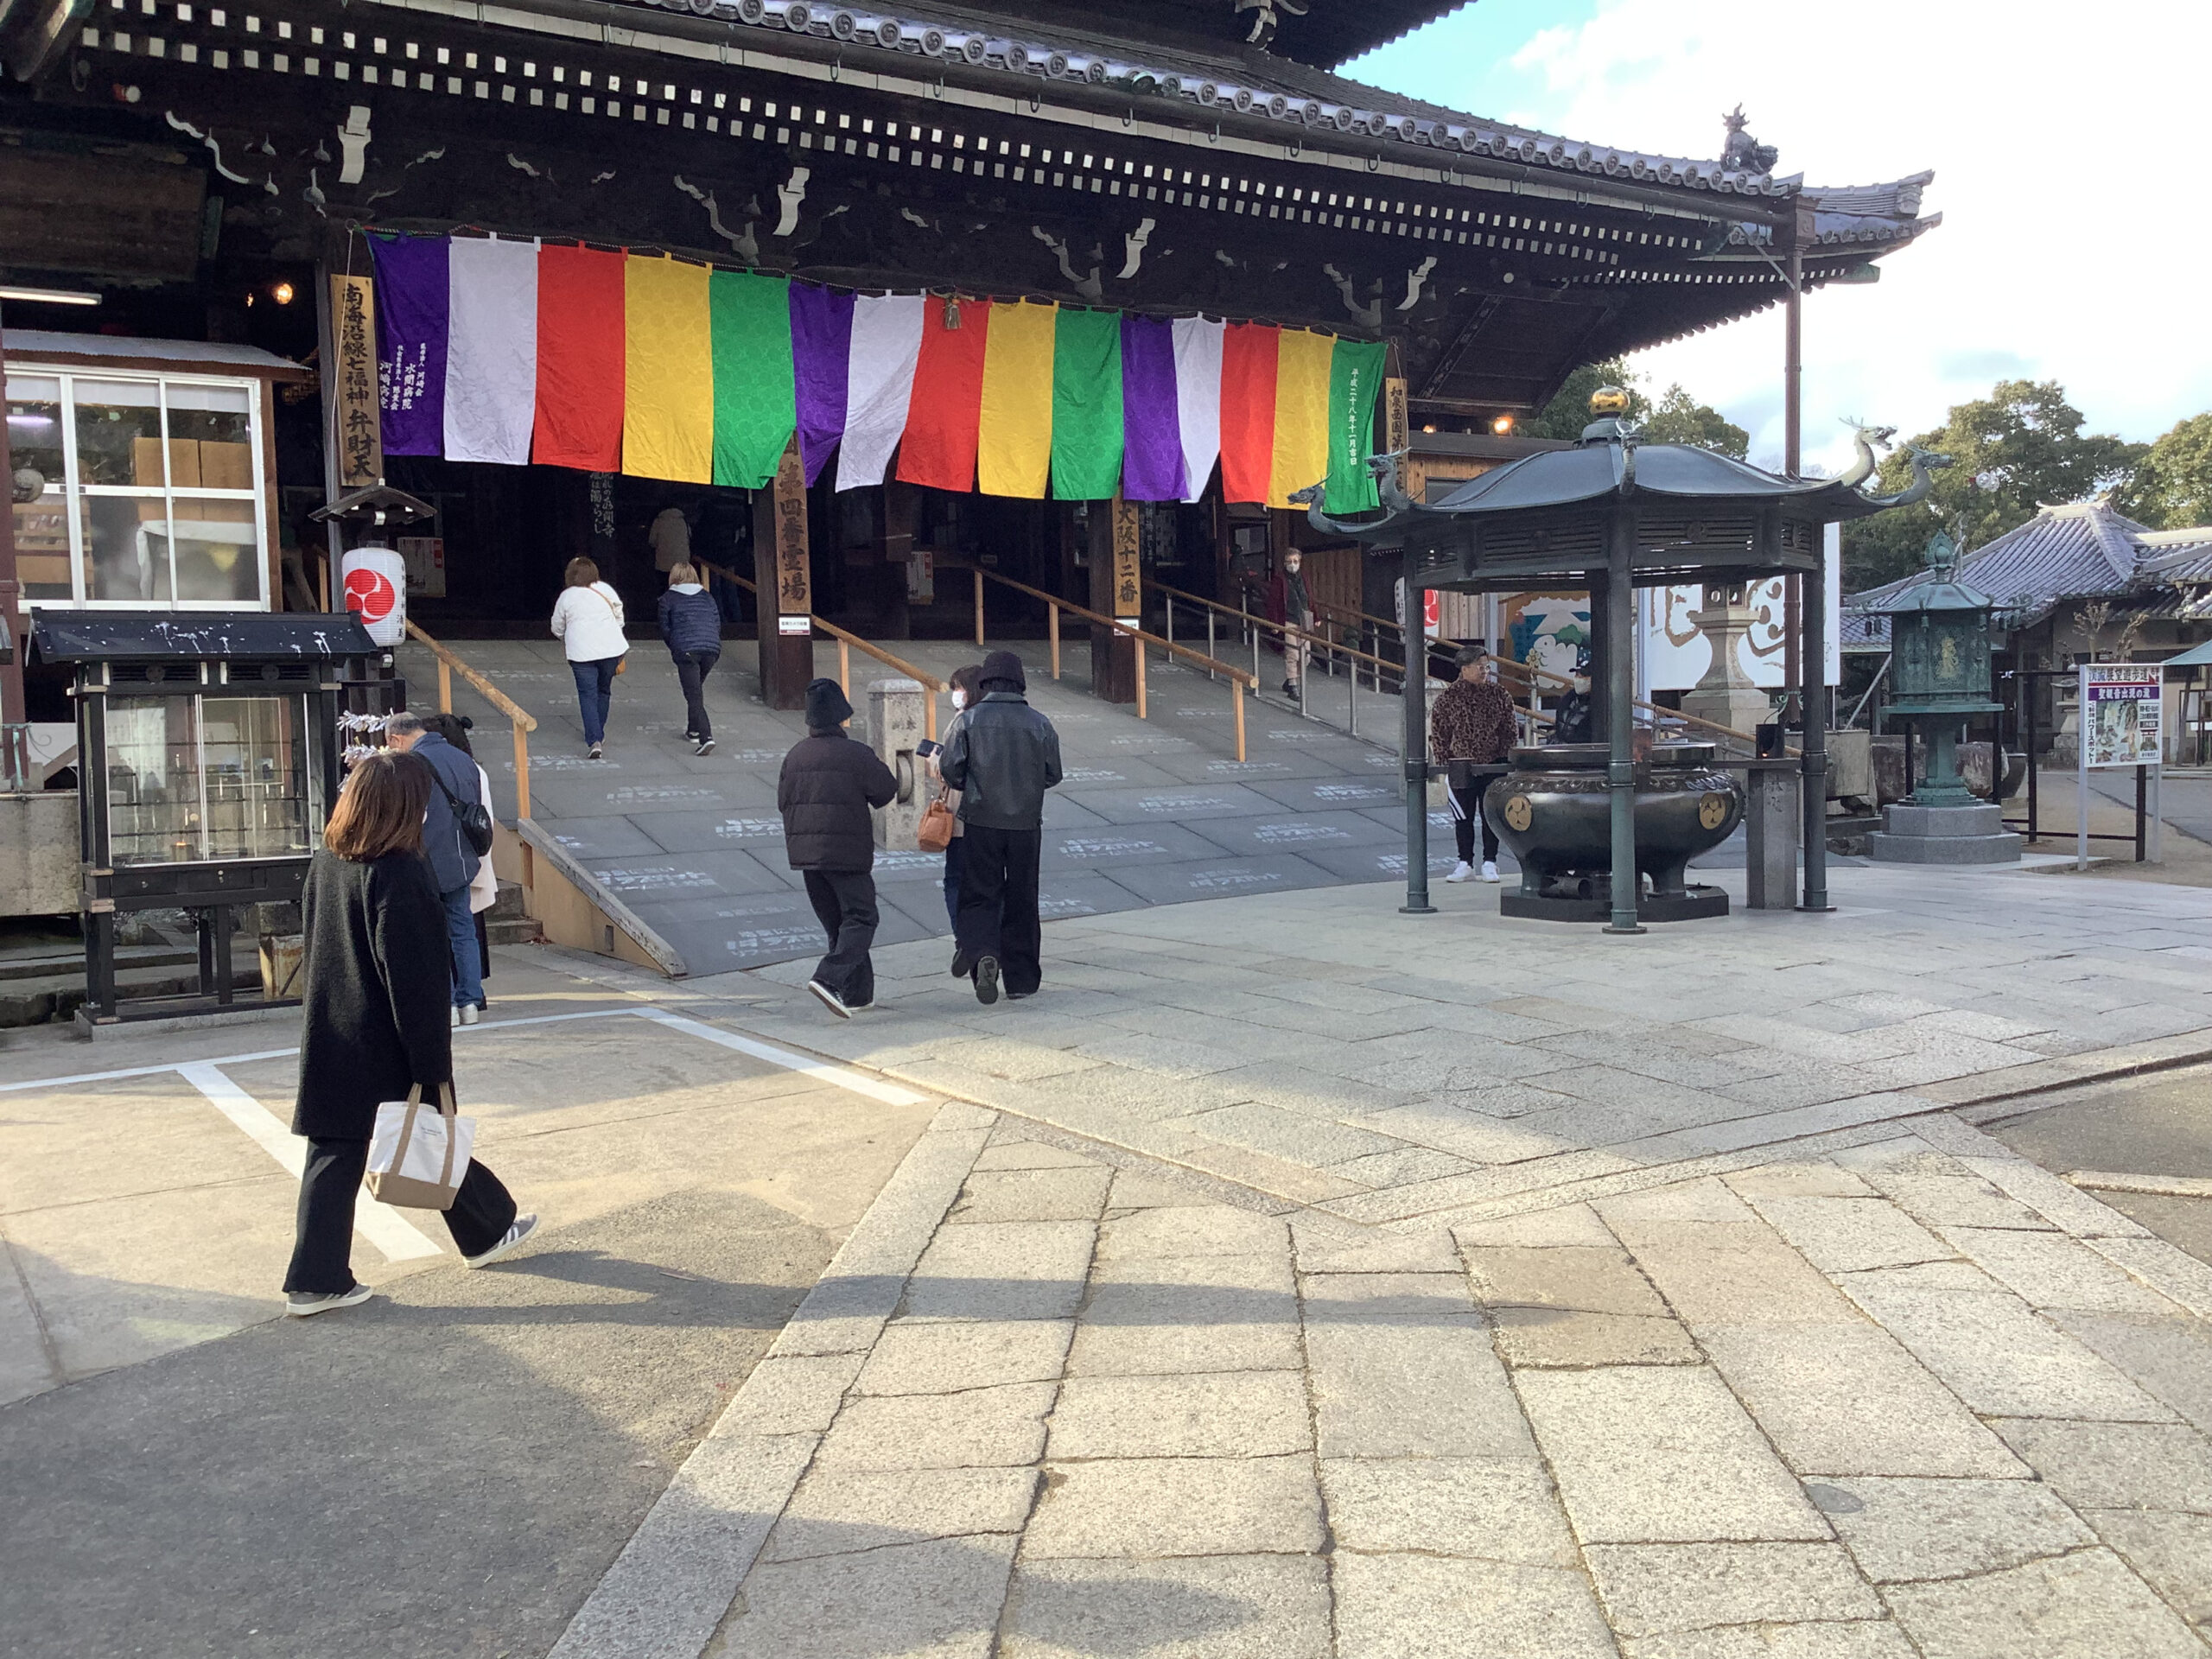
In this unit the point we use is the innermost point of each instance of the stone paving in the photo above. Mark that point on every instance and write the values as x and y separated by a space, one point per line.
1913 1398
1296 1278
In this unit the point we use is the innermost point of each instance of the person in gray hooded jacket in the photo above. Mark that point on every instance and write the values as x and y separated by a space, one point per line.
1003 755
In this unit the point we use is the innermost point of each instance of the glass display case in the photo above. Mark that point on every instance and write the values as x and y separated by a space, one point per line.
198 777
211 756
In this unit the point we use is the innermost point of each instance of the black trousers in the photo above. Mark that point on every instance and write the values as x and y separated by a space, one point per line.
1466 813
692 668
844 903
998 903
323 1255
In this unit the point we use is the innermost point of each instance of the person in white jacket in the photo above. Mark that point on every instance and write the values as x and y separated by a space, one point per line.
588 620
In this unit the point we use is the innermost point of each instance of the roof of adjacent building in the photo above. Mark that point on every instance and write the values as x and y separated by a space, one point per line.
2084 551
36 345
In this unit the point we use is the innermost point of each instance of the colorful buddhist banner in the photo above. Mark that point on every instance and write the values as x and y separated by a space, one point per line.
501 351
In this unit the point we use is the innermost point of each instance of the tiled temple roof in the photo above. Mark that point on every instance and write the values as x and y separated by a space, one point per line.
1257 84
2085 551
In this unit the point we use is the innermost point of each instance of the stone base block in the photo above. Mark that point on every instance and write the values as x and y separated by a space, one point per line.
1979 819
2003 848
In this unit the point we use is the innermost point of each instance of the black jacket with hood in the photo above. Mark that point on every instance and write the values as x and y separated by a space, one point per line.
1003 755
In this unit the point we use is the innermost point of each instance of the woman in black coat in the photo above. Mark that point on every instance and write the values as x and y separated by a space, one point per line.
378 986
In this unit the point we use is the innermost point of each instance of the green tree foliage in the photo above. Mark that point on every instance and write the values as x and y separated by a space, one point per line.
1679 418
2172 488
1675 418
2019 449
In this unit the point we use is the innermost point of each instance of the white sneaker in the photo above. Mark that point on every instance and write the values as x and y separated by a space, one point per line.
829 999
303 1304
523 1228
470 1013
456 1016
1489 872
1462 870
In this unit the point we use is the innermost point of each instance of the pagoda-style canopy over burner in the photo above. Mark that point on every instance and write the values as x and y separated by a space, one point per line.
1613 514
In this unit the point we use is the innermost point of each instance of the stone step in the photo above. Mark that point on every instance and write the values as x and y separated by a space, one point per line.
512 929
58 993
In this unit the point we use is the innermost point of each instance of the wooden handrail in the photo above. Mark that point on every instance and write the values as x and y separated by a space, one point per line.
1239 680
1173 648
525 722
846 641
1264 622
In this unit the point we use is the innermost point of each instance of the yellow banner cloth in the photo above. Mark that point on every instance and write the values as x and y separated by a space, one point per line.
668 403
1014 451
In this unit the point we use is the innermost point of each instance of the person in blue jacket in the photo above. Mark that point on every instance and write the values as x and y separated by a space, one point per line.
692 624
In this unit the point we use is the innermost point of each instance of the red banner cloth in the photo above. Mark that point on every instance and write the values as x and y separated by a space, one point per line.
580 360
945 413
1248 354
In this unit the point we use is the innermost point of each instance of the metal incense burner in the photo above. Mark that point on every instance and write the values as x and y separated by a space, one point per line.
1554 810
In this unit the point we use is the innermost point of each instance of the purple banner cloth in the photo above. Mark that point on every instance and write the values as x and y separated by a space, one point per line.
1152 433
414 304
822 344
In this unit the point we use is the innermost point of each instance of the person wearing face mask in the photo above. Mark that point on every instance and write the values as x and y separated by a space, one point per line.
964 681
1297 623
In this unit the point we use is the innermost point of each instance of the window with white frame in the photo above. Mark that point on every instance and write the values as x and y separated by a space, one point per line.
153 489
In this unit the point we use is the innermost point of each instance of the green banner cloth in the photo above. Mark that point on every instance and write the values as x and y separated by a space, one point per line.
755 407
1086 405
1355 377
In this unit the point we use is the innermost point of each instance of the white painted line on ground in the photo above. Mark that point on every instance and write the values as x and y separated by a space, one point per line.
140 1072
842 1076
398 1238
2156 1186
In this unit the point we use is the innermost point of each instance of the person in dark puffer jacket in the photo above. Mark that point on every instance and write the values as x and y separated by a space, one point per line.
691 623
829 784
1003 755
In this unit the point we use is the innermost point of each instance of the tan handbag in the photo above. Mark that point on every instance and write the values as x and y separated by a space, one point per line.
416 1160
935 833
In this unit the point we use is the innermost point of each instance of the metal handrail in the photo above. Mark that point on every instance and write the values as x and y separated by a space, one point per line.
846 641
525 722
1239 681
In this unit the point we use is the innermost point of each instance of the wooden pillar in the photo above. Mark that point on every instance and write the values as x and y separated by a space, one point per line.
781 566
1115 591
11 672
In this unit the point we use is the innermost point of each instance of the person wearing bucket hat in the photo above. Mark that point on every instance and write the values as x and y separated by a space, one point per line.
829 783
1003 755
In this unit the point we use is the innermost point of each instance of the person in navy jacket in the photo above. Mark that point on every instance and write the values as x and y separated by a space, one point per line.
453 860
692 624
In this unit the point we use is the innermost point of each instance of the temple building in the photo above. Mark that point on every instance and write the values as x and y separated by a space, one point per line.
853 293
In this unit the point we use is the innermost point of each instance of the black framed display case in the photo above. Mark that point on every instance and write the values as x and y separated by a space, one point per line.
210 757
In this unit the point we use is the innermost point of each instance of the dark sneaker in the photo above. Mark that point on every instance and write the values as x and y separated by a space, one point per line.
706 746
830 1000
987 979
1016 996
305 1304
593 753
523 1228
961 966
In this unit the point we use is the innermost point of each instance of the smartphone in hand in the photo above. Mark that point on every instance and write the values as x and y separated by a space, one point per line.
927 747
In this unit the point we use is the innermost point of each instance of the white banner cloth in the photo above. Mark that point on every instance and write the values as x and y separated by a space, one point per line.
492 350
886 344
1197 398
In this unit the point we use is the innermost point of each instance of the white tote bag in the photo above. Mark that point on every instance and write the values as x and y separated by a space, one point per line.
416 1159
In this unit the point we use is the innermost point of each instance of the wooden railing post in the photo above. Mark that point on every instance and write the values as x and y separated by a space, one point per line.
1052 629
1140 646
845 668
445 687
1237 700
522 772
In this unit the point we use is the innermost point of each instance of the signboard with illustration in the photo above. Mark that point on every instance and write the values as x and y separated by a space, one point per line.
1676 654
2121 714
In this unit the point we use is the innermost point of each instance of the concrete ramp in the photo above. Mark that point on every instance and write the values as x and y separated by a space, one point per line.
1153 812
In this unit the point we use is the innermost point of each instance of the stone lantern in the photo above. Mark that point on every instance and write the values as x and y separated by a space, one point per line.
1939 667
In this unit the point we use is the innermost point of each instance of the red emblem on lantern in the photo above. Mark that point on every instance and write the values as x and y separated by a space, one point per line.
370 593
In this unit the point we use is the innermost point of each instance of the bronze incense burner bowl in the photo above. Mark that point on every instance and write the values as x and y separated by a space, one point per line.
1554 811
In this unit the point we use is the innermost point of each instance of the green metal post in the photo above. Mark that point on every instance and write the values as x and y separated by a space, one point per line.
1415 702
1619 633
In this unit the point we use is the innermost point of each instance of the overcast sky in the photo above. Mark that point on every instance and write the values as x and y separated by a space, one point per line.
2066 140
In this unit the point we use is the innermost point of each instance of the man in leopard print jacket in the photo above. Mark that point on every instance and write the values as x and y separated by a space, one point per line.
1472 724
